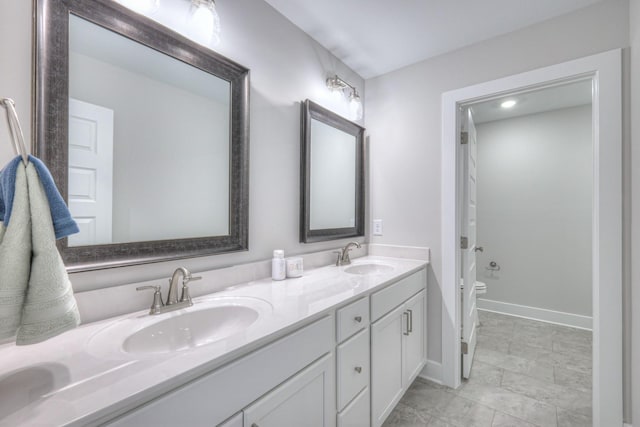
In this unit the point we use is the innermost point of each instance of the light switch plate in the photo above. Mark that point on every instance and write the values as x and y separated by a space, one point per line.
377 227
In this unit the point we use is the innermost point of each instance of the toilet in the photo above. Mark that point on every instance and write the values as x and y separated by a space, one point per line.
481 288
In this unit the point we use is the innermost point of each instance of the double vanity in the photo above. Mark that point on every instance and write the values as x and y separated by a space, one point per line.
338 346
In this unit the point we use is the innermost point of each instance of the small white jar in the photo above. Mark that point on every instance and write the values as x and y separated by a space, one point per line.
294 267
278 265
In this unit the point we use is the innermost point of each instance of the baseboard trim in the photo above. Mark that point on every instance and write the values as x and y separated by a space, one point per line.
432 371
397 251
535 313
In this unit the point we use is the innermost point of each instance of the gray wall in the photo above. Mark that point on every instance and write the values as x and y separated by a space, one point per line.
404 123
534 209
15 68
286 65
633 167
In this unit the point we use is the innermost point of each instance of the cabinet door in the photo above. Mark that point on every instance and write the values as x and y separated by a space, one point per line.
386 364
235 421
414 353
305 399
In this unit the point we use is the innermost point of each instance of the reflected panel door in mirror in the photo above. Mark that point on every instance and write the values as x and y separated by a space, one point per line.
145 132
332 190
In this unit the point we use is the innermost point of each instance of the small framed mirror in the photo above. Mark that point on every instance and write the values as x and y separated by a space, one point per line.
331 176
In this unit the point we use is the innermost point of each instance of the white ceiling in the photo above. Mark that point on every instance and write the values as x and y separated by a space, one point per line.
374 37
538 101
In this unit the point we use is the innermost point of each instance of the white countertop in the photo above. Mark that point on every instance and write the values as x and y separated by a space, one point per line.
77 379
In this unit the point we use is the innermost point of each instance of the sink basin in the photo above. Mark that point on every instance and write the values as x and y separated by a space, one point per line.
191 329
368 269
206 322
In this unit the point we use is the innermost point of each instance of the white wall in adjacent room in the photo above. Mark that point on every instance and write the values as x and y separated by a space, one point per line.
534 210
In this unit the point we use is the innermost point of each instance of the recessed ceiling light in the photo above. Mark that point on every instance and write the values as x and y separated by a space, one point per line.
508 104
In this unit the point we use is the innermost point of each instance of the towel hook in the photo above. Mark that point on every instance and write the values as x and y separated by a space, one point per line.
15 129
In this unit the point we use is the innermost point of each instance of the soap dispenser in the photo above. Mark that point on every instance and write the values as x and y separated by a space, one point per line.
278 265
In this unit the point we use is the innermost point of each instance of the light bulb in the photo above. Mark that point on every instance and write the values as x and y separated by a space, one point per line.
204 23
355 106
336 96
508 104
143 7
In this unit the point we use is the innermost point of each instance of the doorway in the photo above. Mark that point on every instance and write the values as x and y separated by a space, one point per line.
534 192
603 71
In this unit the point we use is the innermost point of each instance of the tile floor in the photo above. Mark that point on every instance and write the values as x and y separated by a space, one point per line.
525 373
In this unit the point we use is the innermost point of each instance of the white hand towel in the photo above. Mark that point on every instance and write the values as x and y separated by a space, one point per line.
49 307
15 258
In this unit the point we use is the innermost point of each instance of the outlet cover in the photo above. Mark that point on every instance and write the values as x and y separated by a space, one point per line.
377 227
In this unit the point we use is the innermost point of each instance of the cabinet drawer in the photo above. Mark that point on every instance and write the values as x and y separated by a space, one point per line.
357 413
393 295
352 318
353 367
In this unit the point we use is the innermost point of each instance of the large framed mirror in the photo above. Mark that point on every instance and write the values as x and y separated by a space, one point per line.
331 176
146 134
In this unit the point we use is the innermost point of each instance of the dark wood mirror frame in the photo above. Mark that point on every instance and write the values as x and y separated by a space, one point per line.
50 124
312 111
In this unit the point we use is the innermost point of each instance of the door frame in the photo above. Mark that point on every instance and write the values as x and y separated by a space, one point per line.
605 71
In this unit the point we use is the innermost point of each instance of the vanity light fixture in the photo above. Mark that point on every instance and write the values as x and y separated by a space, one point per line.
336 84
509 103
203 22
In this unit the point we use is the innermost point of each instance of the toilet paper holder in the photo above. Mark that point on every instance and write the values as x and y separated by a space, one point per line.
493 266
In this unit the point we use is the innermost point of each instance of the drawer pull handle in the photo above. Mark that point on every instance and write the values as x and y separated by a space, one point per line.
410 320
359 369
406 313
358 319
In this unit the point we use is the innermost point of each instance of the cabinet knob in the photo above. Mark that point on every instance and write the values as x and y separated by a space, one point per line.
254 425
358 369
358 319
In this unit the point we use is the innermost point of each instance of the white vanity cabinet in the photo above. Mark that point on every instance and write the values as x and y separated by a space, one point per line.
398 342
272 383
347 369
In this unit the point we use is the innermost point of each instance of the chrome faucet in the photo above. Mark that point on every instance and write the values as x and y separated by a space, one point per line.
158 307
343 254
172 296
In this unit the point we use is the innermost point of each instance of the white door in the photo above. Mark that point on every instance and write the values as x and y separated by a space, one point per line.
468 241
90 172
